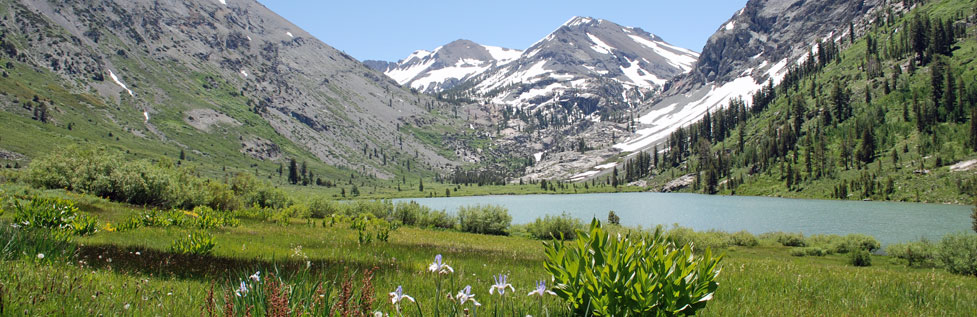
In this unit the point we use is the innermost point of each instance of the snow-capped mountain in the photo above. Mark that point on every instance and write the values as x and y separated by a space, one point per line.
446 66
755 47
585 62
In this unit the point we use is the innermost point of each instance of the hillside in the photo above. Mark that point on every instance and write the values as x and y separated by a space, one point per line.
223 86
888 115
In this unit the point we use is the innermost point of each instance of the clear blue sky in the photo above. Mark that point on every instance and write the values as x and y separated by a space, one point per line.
391 30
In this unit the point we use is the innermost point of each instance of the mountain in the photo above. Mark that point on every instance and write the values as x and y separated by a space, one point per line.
753 48
586 64
884 109
446 66
565 100
229 82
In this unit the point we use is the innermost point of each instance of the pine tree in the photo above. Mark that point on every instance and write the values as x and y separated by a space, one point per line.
866 152
420 186
293 173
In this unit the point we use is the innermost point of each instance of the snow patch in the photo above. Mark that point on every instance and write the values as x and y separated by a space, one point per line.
641 77
606 166
244 73
730 26
145 114
600 46
667 119
676 56
503 55
538 156
289 34
118 82
224 2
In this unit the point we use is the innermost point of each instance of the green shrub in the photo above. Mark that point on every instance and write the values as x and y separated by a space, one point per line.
202 217
798 252
254 191
958 253
631 275
744 239
84 225
382 209
438 219
196 243
487 219
559 227
613 218
917 254
321 208
786 239
410 213
860 257
857 241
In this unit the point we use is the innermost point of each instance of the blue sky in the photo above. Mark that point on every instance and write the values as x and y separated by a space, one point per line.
391 30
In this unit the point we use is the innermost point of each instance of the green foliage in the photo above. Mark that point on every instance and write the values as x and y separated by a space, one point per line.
560 227
410 213
56 214
257 192
202 217
786 239
744 239
196 243
860 258
369 228
613 218
958 253
438 219
636 274
321 208
917 254
487 219
31 242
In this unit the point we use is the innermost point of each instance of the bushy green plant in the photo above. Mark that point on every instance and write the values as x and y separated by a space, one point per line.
201 217
321 208
382 209
958 253
744 239
631 275
613 218
860 257
254 191
438 219
487 219
56 214
555 227
917 254
786 239
410 213
196 243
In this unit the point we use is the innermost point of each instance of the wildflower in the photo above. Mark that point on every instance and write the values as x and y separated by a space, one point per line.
398 295
40 256
256 276
541 290
126 307
242 290
466 295
377 314
501 282
138 253
439 267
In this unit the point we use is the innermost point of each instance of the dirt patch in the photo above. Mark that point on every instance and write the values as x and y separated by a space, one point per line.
204 119
261 149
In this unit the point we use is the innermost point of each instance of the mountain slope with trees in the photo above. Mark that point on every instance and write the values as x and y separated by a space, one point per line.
886 115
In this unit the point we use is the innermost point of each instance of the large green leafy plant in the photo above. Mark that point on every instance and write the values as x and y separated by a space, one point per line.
631 275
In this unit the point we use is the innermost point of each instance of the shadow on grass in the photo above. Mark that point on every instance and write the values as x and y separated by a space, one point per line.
145 261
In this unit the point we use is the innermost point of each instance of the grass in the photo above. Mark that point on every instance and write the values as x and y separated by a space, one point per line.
113 269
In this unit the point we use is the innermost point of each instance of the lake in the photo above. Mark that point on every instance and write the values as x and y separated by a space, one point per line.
889 222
